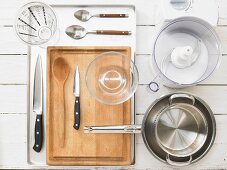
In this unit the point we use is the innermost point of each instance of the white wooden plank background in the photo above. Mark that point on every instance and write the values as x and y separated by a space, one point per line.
13 87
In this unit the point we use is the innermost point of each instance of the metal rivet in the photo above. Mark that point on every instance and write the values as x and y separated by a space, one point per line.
37 120
37 146
37 133
76 113
76 124
76 101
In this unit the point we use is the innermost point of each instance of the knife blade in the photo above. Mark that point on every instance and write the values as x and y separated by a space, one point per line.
38 105
76 92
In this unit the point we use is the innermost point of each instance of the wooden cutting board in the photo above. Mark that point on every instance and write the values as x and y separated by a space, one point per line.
81 148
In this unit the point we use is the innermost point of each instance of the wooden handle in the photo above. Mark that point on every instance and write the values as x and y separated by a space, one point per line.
113 15
113 32
61 109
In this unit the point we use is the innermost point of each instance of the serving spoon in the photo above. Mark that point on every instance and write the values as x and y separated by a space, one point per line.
61 72
84 15
78 32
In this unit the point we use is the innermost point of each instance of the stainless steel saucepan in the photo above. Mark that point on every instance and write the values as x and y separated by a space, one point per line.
175 128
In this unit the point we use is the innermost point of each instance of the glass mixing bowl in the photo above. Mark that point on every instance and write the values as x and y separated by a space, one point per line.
112 78
35 23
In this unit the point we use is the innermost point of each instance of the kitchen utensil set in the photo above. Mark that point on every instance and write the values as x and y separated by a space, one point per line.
36 24
80 148
178 128
78 32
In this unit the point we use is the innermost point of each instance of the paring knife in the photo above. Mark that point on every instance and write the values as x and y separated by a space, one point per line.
76 92
38 105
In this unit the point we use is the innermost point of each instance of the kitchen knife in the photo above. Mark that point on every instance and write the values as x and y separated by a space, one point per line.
76 92
37 105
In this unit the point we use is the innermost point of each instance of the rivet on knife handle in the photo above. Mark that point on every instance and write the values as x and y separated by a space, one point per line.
77 113
38 133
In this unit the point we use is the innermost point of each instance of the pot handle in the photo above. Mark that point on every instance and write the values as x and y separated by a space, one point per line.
173 163
113 129
187 96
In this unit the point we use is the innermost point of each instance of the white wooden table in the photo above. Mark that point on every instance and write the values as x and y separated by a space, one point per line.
14 79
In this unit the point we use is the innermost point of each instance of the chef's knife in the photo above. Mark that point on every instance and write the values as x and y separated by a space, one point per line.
37 105
76 92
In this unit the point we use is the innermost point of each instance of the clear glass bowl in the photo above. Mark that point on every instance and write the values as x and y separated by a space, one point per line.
112 78
35 23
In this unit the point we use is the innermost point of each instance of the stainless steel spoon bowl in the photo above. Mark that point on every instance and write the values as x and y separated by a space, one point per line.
78 32
84 15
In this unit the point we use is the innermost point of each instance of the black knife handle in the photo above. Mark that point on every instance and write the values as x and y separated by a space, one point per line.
77 113
38 133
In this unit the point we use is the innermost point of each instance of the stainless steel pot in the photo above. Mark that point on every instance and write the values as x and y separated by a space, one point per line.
181 129
178 129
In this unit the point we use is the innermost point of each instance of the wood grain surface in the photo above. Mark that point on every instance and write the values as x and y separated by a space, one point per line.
81 148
